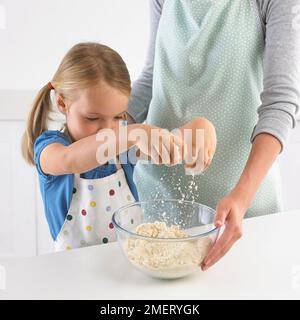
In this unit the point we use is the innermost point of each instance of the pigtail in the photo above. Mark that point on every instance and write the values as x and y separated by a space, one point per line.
36 122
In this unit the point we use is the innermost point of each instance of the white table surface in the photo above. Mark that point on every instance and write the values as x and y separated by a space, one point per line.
265 263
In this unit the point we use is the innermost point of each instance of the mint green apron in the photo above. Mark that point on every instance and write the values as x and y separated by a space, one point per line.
208 63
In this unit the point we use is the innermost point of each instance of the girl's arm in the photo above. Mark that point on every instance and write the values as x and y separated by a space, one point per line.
81 156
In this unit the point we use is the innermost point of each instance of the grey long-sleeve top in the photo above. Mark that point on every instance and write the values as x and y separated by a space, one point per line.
280 97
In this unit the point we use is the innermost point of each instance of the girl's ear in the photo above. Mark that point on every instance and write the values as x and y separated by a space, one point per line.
61 103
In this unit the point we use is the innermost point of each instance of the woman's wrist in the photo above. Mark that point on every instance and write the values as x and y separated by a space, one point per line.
264 152
243 196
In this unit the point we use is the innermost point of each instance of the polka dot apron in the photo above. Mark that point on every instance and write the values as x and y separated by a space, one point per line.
89 219
208 62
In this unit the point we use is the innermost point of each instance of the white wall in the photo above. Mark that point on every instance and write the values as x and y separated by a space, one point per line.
34 35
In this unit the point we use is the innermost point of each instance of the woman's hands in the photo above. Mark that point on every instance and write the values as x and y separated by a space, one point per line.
202 153
230 212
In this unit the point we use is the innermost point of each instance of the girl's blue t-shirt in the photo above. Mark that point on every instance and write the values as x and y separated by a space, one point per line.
56 191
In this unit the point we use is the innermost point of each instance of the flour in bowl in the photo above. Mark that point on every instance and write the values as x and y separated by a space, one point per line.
165 259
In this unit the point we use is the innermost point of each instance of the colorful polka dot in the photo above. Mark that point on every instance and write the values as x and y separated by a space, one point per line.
69 217
74 190
111 192
104 240
129 197
88 228
83 212
83 243
66 233
108 208
90 187
93 204
68 248
132 221
119 183
111 226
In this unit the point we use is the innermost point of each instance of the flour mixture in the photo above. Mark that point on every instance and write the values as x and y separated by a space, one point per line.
165 259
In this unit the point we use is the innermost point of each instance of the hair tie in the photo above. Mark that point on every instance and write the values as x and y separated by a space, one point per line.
50 86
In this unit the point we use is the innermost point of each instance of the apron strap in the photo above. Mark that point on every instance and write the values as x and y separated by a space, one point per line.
77 175
117 163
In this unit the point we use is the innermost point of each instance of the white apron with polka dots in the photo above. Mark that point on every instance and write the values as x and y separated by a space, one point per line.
208 63
89 219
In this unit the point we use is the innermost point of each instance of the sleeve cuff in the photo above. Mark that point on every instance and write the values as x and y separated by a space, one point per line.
136 112
277 123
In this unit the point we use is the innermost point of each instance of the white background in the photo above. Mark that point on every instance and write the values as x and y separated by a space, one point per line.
34 36
38 34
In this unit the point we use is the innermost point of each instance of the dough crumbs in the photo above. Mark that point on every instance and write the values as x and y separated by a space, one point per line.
165 259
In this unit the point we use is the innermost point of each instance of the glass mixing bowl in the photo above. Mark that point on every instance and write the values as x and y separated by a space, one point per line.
165 238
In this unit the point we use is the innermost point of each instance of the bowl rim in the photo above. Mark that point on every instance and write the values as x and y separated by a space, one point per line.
201 235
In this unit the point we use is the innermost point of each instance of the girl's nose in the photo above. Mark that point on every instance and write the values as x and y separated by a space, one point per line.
108 124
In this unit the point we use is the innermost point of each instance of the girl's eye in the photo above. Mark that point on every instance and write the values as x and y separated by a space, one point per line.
92 119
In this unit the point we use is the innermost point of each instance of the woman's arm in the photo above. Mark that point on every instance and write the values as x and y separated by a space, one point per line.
264 152
142 88
281 66
280 103
232 208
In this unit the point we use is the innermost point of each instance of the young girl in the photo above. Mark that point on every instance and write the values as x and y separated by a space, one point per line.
80 191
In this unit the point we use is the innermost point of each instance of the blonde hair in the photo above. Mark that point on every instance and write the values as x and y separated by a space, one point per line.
83 66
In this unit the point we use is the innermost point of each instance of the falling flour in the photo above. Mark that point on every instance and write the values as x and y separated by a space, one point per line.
165 259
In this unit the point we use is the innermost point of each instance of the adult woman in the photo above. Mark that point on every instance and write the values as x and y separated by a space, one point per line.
222 60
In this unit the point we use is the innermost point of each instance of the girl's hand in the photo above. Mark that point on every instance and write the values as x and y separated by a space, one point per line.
230 212
159 145
201 155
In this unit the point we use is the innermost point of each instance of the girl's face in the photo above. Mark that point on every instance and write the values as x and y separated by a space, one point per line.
96 108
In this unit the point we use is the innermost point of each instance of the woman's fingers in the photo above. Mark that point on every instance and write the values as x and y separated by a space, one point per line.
221 213
232 232
220 248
